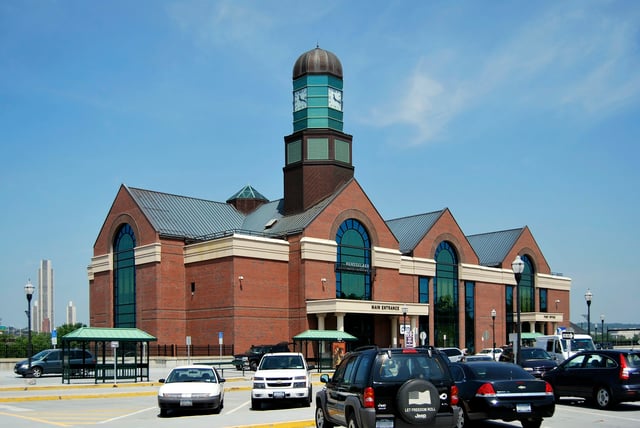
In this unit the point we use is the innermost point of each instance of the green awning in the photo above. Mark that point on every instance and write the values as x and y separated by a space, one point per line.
320 335
107 334
530 335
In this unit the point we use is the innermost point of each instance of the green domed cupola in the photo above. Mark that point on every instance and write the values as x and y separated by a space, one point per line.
318 153
317 91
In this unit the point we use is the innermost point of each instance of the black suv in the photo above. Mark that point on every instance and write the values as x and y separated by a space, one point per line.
389 388
252 357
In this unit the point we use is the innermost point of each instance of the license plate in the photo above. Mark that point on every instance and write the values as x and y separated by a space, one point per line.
384 423
186 403
278 394
523 408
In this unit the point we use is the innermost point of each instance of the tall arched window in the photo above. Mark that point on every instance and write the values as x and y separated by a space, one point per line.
445 292
353 267
527 288
124 278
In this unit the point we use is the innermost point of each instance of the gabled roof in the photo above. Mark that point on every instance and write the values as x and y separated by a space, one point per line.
410 230
185 217
324 335
492 247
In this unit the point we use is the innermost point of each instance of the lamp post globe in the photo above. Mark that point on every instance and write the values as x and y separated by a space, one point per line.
518 268
588 296
28 291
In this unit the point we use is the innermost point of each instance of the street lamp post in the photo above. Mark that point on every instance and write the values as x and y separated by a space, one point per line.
518 268
404 325
588 296
28 290
493 327
602 330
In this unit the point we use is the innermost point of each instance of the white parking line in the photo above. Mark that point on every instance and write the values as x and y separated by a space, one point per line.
246 403
128 415
14 408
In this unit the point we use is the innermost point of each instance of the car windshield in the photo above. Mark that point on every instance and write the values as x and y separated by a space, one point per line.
408 366
579 345
498 371
276 362
40 355
534 354
192 375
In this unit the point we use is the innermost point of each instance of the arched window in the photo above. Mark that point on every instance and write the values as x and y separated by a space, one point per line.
124 278
527 288
353 267
445 292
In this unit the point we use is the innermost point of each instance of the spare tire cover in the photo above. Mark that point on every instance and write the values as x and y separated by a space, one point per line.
418 401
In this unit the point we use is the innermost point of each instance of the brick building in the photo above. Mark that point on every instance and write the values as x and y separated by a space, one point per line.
321 257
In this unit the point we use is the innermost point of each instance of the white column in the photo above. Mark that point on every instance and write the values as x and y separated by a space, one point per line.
340 321
394 331
321 318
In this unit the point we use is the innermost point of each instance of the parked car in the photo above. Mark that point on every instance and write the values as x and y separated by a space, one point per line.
191 387
493 352
282 376
605 377
494 390
252 357
536 361
454 354
50 361
389 387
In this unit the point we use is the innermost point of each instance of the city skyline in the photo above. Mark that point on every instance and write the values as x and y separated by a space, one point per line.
443 101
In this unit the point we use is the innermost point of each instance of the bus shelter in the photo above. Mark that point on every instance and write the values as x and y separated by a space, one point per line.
120 353
329 346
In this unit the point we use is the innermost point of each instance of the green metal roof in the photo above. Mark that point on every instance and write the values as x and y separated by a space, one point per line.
493 247
324 335
107 334
247 192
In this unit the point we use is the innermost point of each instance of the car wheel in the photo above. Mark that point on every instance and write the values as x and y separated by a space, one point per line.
602 397
256 404
463 418
321 420
531 423
36 371
253 365
423 412
351 422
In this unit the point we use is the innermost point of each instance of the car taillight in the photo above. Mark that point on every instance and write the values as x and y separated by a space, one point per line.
548 388
409 351
486 389
369 398
624 369
454 395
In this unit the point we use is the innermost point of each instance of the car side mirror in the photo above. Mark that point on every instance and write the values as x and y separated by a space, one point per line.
222 380
161 380
324 378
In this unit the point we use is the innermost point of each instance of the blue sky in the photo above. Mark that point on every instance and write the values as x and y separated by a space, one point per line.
508 113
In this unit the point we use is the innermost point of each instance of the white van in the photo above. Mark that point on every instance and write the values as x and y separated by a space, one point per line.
561 349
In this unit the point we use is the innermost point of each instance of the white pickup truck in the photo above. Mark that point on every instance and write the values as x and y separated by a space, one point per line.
281 376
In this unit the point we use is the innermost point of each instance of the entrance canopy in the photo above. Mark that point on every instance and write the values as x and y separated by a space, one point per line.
324 335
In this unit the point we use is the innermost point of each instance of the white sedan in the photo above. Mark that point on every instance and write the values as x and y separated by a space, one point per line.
495 353
191 387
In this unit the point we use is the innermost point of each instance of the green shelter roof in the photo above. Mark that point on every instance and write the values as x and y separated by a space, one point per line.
100 334
324 335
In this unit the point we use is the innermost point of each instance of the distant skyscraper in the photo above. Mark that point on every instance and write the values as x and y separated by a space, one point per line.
45 296
71 313
35 316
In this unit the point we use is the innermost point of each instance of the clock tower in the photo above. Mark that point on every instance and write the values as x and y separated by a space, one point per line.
318 153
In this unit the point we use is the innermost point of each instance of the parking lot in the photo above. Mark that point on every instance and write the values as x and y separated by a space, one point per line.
46 402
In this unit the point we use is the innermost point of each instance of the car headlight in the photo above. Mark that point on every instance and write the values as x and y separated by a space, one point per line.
529 369
25 366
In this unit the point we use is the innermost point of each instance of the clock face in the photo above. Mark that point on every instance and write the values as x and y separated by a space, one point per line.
300 99
335 99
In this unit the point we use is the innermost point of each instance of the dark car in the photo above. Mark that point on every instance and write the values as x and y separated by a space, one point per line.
605 377
494 390
389 387
536 361
252 357
50 361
